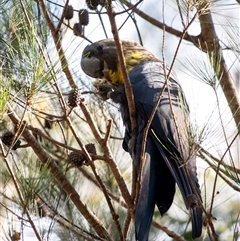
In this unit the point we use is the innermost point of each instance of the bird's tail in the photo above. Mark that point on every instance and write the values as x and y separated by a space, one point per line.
188 185
196 215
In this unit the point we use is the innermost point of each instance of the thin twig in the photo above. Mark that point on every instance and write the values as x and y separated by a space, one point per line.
102 23
169 232
231 168
155 22
108 132
209 42
62 17
115 217
128 91
127 225
219 172
61 220
108 155
13 212
116 198
58 45
217 169
20 195
122 64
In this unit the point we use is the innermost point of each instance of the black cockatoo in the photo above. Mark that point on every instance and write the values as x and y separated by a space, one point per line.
168 156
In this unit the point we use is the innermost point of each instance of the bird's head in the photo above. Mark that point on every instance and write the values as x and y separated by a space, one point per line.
100 59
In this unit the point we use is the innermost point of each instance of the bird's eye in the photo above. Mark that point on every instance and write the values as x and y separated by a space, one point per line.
99 48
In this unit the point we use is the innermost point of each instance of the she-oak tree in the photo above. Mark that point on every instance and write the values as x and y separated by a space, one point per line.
64 174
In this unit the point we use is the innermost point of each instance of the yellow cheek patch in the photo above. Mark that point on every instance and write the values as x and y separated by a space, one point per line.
113 77
133 58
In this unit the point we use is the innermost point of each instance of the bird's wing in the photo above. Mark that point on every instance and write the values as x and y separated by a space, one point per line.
167 150
169 135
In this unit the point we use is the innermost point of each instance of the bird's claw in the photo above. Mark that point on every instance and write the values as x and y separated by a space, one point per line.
104 90
192 201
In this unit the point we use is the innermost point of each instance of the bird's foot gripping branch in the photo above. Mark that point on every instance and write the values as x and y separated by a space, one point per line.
102 88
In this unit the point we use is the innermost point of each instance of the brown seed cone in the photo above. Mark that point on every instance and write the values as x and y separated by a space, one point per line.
69 12
76 158
78 29
74 98
83 17
91 148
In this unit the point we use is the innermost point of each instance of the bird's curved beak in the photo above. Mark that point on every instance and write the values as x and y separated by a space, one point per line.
92 66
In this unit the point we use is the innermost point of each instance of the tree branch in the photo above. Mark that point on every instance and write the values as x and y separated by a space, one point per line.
209 42
121 59
57 42
62 180
109 159
155 22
